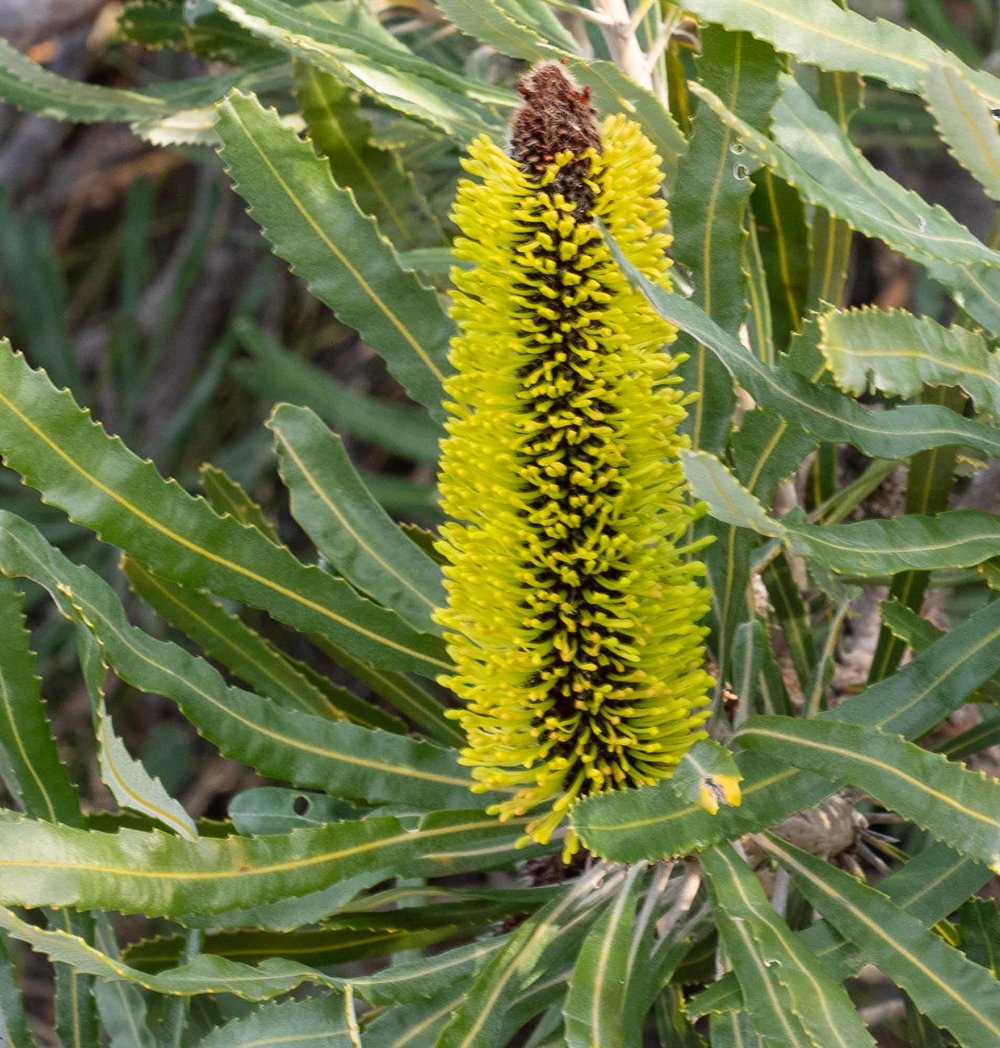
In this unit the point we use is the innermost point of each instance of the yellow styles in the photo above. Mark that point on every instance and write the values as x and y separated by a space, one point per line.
573 607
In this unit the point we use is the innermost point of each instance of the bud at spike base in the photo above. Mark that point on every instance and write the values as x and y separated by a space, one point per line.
574 605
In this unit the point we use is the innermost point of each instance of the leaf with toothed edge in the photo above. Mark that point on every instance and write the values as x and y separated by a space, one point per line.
130 784
316 226
958 806
952 991
59 450
790 997
345 759
162 875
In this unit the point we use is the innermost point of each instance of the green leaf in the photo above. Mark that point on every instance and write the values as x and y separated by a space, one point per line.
130 783
42 784
340 941
896 353
487 22
277 374
958 806
756 675
315 225
781 231
251 658
595 1008
162 875
273 809
953 992
929 886
226 496
815 156
708 205
793 617
13 1021
788 994
28 85
964 121
292 1024
347 526
831 37
60 451
956 539
811 153
978 921
828 415
708 776
539 947
41 780
382 188
378 65
345 759
653 822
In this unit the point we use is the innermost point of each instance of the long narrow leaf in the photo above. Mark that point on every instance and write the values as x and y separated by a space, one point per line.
789 996
953 992
958 806
315 225
350 529
59 450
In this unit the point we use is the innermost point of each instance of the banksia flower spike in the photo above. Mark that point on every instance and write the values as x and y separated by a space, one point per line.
573 609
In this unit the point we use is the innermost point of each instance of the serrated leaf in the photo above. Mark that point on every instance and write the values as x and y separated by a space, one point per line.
382 188
953 992
42 780
381 67
161 23
708 205
957 806
29 86
929 887
161 875
965 123
251 658
955 539
828 415
896 353
226 496
835 38
316 226
293 1024
130 783
652 822
45 791
540 946
348 527
59 450
13 1020
789 996
819 160
487 22
595 1009
343 758
811 153
708 775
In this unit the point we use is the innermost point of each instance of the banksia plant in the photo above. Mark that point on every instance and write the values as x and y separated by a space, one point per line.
574 605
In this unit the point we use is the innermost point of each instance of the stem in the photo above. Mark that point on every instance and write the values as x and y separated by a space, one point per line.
622 42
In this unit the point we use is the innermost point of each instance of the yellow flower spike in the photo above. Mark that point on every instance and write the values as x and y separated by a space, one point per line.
573 618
